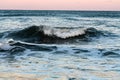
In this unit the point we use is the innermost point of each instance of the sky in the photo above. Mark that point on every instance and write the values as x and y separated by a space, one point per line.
61 4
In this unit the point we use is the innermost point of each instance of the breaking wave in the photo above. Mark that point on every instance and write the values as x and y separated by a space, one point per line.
46 34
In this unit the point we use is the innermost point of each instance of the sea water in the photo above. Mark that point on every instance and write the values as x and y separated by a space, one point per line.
63 49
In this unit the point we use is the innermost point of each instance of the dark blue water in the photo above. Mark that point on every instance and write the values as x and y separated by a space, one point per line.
60 44
59 13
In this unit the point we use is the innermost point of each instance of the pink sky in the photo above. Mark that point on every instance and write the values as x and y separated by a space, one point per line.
61 4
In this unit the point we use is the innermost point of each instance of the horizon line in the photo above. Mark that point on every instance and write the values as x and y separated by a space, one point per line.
56 10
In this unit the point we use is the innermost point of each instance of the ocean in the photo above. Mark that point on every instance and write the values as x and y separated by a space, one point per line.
59 45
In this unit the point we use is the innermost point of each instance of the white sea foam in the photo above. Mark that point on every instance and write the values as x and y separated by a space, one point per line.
5 46
64 33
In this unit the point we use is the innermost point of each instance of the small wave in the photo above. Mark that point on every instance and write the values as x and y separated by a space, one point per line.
13 47
17 47
46 34
73 19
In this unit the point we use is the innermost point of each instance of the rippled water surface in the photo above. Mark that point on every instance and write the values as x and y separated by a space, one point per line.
59 45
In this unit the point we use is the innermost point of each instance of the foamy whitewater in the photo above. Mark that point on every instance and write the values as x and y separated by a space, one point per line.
59 45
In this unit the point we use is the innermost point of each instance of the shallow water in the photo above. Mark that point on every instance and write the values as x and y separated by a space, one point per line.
70 57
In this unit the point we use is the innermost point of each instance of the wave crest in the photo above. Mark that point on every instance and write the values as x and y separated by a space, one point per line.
48 34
